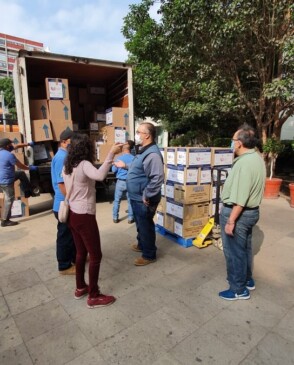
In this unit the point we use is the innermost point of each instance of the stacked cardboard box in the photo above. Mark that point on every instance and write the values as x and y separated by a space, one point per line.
186 203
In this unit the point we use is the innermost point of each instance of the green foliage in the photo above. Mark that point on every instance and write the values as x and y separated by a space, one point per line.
6 85
210 65
271 149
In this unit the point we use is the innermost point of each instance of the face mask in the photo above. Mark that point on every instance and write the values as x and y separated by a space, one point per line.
10 148
232 145
68 146
138 139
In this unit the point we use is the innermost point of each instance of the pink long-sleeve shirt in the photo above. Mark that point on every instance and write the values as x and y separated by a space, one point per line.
82 199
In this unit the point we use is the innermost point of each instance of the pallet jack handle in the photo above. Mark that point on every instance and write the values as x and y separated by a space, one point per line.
219 184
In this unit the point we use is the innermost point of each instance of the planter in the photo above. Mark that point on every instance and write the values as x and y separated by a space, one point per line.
291 188
272 188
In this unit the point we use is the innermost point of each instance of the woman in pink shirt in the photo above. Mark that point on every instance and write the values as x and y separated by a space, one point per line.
82 215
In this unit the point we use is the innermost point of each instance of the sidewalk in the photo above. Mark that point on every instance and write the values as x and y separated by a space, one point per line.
167 313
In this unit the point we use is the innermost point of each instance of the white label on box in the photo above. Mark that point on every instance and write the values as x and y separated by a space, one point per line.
223 157
174 209
172 174
101 117
55 89
40 152
108 117
205 176
199 158
171 156
159 218
223 173
169 190
16 210
182 157
119 135
192 176
178 227
94 127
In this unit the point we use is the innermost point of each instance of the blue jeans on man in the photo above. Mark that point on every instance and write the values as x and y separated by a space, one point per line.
145 228
238 248
120 191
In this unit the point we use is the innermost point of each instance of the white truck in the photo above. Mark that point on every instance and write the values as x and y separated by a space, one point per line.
32 68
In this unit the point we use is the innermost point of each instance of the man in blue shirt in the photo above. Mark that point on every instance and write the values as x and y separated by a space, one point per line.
65 247
121 186
8 175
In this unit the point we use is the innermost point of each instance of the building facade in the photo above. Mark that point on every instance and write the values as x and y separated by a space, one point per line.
9 47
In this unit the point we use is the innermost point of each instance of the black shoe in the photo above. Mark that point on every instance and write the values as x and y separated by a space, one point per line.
8 223
29 194
131 221
116 221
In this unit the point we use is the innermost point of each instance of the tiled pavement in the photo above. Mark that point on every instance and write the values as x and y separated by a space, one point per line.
167 313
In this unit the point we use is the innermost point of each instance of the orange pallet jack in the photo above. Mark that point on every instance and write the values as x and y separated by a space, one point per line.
211 232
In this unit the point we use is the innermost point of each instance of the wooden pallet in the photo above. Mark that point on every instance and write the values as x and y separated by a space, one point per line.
184 242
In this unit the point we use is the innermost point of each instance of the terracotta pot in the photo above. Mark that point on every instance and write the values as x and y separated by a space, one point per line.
291 188
272 188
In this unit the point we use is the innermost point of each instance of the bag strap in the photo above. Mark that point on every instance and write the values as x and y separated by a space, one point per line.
71 186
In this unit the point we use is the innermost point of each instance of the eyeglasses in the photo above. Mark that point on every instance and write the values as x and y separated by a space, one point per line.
141 132
235 139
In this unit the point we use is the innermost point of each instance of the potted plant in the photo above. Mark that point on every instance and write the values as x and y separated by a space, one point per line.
271 149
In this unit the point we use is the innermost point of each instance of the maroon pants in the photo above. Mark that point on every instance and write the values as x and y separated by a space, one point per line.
86 236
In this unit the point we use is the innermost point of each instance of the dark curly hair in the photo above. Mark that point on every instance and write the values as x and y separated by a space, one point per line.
81 148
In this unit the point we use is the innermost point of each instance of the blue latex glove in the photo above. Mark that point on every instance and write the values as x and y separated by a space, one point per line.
31 144
33 168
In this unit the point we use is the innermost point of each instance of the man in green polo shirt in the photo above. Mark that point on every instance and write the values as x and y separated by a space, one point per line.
241 196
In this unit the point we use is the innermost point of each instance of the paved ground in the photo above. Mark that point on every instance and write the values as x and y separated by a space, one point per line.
167 313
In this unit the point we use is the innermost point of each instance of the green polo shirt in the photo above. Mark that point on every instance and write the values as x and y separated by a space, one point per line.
245 183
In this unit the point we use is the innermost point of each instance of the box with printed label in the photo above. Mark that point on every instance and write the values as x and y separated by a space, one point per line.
15 137
189 228
221 156
169 223
99 117
41 130
171 156
163 153
118 117
57 89
212 207
204 175
193 156
224 171
94 126
20 208
59 126
159 217
213 190
170 189
59 110
190 194
102 151
187 211
115 134
182 175
39 109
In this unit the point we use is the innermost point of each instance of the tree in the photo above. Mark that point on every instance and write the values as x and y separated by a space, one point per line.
220 61
6 85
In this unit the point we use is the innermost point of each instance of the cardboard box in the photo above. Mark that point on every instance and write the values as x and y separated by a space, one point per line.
170 189
213 191
20 208
39 109
182 175
163 153
193 156
57 89
15 137
94 126
187 211
99 117
96 90
190 228
223 174
204 175
190 194
102 151
41 130
169 223
115 135
20 156
221 156
212 207
59 110
118 117
17 189
171 156
159 218
59 126
1 204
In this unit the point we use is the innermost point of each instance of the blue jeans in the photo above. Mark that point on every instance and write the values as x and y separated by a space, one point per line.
146 236
120 190
238 248
65 246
